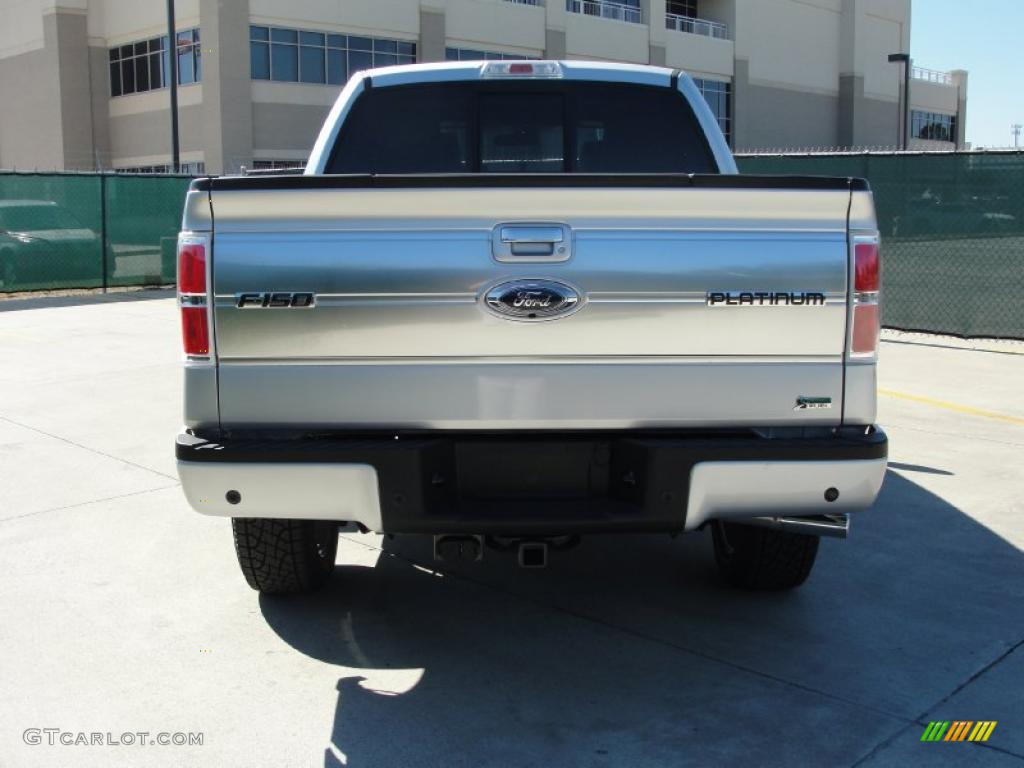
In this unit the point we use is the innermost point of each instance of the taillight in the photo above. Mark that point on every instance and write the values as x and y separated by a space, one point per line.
195 331
866 325
865 267
191 268
192 296
867 320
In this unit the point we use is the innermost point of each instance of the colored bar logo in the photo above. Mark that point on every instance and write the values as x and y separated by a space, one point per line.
959 730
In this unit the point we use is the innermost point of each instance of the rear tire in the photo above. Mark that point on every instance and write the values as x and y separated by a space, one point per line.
763 559
282 557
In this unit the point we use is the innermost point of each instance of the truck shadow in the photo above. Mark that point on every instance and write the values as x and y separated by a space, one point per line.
628 651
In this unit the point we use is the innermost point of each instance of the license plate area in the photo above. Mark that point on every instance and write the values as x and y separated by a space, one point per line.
549 486
531 470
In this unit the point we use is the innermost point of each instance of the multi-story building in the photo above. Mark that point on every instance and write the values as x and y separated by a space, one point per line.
84 82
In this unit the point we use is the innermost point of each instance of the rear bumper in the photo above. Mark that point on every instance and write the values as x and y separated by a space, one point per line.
535 483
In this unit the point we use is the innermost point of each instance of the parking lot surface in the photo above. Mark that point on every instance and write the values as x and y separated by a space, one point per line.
122 611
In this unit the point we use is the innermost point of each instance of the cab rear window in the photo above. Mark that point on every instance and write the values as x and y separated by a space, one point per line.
564 127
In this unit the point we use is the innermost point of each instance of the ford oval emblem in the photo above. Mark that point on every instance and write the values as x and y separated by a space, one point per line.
532 300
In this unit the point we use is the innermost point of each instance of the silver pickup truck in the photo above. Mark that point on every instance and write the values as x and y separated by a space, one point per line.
512 303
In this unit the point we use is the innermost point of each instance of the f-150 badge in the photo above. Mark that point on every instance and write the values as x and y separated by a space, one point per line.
532 300
275 300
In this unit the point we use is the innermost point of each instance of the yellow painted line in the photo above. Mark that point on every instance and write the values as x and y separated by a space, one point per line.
978 729
953 406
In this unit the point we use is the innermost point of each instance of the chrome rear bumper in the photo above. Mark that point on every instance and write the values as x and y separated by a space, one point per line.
539 484
769 492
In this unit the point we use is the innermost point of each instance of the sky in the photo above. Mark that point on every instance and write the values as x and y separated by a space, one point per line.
989 45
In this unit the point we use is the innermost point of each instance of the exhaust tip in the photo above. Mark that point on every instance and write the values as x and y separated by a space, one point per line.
835 525
533 554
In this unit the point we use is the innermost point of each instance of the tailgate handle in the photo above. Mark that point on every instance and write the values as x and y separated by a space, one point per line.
531 242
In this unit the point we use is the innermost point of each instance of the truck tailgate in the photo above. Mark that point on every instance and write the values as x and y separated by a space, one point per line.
697 306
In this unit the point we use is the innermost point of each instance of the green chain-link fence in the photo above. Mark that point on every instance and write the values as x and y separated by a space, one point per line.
952 234
88 230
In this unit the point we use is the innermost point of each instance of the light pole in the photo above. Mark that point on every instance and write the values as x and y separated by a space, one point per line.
904 58
1015 129
172 58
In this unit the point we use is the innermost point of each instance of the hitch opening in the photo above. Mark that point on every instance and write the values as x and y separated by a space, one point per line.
533 554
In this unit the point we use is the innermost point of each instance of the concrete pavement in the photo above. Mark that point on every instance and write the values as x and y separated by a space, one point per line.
123 611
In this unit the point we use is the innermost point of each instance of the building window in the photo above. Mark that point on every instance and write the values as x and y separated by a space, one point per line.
933 126
296 56
687 8
145 66
716 93
469 54
190 62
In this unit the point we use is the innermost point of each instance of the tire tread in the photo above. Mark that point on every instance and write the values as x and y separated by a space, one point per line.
763 559
280 556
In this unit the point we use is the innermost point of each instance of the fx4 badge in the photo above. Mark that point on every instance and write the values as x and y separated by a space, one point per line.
275 300
812 403
765 299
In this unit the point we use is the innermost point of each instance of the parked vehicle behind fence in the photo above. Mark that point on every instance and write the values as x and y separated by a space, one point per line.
40 239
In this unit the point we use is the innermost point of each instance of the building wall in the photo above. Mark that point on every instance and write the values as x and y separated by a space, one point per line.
790 44
833 86
22 30
475 24
931 97
68 30
227 101
803 73
778 118
139 126
286 131
30 136
588 37
700 56
114 22
42 125
366 17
